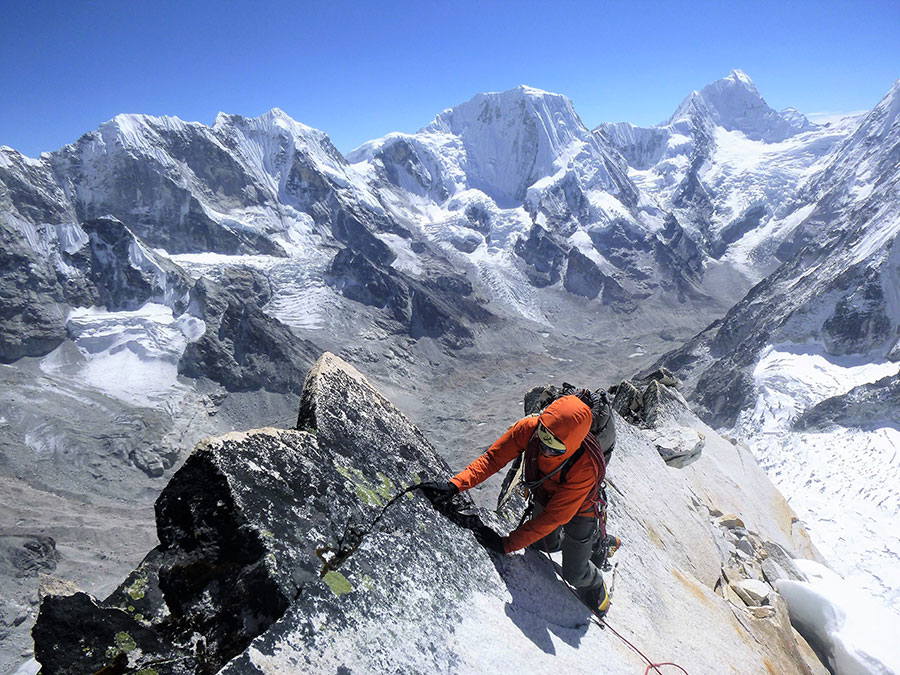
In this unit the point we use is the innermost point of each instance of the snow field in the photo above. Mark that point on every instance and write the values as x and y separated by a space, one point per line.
841 482
131 356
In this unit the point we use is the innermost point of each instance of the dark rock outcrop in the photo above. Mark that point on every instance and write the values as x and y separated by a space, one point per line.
101 641
248 283
361 280
440 307
543 256
641 400
124 273
860 321
869 405
583 277
243 349
749 220
403 167
627 400
658 408
27 555
665 376
682 261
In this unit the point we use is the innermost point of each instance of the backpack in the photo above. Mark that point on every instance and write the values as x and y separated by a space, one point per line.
603 427
599 442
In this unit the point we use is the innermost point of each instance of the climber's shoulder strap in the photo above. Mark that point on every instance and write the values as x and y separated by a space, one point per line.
569 464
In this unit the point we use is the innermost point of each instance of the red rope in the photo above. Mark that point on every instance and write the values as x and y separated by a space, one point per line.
654 666
603 624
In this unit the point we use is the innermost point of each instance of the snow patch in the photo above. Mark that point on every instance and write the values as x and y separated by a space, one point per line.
132 356
406 260
859 636
582 241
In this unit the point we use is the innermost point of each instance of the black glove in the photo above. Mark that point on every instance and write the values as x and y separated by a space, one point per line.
439 492
489 539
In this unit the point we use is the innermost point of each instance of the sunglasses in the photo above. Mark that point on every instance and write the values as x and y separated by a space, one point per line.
550 444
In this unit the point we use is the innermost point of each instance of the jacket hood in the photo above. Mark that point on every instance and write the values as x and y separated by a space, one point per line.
570 421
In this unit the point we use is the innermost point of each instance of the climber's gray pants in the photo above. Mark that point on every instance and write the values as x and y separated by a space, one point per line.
576 539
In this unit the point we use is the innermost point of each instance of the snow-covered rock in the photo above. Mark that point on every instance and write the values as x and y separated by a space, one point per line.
515 177
840 290
244 185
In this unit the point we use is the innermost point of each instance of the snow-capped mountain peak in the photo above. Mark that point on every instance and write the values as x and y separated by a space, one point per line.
511 138
275 120
726 164
738 75
735 104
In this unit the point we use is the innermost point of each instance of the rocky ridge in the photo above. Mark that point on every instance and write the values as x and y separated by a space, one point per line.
272 559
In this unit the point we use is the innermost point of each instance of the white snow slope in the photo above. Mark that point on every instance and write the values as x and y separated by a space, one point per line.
841 482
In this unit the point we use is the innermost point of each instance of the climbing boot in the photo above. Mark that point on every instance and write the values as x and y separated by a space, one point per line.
604 550
597 599
612 545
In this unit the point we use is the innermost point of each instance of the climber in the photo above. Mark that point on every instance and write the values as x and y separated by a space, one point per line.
566 515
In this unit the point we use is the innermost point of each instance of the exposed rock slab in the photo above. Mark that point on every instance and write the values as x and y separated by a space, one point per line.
752 591
679 446
299 551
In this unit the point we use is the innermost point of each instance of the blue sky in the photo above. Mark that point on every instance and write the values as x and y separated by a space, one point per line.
359 70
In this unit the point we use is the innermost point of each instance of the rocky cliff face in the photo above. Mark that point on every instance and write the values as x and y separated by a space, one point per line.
305 551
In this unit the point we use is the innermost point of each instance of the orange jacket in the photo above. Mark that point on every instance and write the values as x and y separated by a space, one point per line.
570 421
